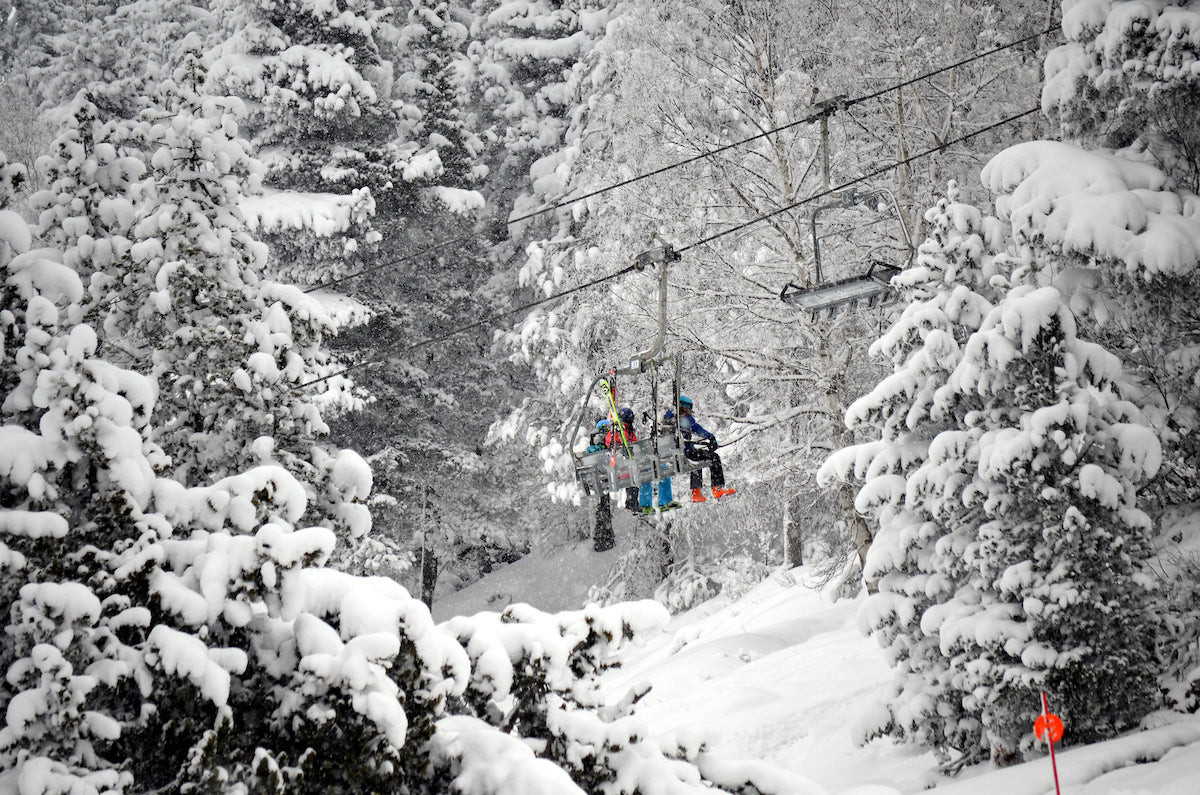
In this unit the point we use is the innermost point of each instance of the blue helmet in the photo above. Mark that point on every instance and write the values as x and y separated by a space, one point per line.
602 425
626 415
685 401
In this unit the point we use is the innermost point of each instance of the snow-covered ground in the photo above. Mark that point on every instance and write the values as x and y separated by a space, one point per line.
783 675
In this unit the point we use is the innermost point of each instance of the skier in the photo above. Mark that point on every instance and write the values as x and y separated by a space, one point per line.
647 493
693 450
614 442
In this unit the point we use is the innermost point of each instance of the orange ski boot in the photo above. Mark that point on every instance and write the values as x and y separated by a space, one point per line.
698 496
721 491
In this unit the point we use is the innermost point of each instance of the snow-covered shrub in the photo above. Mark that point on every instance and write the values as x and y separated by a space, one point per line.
691 583
535 675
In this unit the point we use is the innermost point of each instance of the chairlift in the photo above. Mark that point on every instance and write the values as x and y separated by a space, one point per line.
661 453
870 289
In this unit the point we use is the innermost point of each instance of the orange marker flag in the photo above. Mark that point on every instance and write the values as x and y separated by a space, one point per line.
1049 729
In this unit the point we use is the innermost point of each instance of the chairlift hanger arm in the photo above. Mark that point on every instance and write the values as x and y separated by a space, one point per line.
661 256
849 198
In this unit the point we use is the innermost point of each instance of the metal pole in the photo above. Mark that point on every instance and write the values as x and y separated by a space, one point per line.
825 149
638 362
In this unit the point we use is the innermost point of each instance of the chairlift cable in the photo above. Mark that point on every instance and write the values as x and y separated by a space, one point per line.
698 243
809 119
856 181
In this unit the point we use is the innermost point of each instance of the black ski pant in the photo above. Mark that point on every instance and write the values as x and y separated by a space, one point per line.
603 538
716 474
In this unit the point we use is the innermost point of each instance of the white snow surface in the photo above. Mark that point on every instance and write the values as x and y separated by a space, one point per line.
782 676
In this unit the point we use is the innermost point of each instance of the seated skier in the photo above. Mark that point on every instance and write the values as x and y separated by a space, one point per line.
615 441
689 427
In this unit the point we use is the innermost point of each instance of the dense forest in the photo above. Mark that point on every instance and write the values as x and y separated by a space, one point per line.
302 298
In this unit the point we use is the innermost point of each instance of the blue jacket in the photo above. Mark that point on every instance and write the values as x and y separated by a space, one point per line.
688 426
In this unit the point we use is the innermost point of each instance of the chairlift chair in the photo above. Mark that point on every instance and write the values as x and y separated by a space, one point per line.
872 288
661 454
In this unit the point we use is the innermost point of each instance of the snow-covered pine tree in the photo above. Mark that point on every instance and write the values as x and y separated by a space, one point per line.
1049 545
531 58
1126 79
439 80
120 54
74 476
947 298
229 350
1005 490
320 116
87 210
33 29
175 639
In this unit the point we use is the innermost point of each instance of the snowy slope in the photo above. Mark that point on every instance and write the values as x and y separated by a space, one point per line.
784 675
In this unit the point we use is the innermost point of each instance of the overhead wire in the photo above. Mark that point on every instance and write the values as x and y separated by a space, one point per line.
856 181
809 119
690 246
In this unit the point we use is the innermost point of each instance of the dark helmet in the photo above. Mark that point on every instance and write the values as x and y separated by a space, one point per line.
685 402
626 415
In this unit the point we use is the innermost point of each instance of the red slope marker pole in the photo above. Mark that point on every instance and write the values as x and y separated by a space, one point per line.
1049 729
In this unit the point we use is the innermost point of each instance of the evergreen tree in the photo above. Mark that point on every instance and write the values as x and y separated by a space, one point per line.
119 54
947 299
320 117
1012 548
1050 548
1126 79
87 210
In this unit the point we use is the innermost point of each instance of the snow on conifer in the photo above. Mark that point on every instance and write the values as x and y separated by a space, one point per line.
1048 545
228 349
1011 551
319 115
947 289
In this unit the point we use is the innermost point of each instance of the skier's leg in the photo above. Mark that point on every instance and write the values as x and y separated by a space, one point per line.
603 538
716 473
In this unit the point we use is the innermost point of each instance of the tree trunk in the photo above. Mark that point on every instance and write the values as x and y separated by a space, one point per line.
603 538
793 550
859 532
429 575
